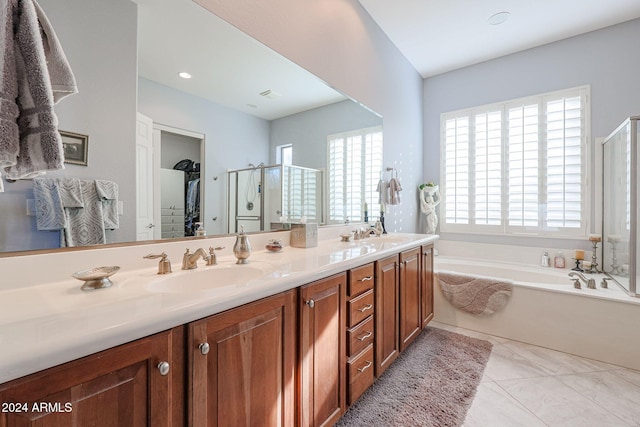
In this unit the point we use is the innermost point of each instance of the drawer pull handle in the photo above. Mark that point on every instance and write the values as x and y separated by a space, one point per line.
365 279
365 336
163 367
365 308
365 367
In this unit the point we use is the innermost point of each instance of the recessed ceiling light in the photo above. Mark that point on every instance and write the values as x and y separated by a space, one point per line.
184 75
252 106
499 18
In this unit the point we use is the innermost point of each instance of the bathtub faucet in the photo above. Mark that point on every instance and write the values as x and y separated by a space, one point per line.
591 283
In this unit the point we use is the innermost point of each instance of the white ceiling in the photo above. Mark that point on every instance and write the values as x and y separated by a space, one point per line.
228 67
437 36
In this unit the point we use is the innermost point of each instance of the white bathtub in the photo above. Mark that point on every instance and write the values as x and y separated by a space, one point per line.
546 310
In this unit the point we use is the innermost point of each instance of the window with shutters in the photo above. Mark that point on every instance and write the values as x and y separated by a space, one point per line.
354 167
517 167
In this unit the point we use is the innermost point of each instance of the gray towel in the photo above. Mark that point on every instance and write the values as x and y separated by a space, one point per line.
475 294
108 194
394 191
29 141
85 225
49 210
71 193
63 82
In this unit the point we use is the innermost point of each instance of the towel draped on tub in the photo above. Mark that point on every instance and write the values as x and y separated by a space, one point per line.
478 295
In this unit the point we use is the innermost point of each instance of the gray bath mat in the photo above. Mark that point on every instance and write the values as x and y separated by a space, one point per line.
431 384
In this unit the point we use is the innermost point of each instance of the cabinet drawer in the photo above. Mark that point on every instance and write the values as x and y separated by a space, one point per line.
360 280
172 211
360 374
165 219
359 308
360 336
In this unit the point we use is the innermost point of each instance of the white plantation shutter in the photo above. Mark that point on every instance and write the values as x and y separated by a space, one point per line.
564 162
517 167
456 170
523 166
354 164
488 168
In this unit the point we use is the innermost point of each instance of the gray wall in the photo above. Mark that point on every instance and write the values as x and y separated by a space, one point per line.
232 140
308 131
606 59
340 43
97 39
175 148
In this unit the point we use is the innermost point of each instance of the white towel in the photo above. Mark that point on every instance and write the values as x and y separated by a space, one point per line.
383 192
49 210
108 193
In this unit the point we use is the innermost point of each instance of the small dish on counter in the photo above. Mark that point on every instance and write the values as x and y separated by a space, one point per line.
96 278
346 237
274 246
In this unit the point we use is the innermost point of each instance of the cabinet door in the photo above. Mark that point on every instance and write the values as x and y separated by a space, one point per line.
426 291
410 320
386 314
322 351
122 386
241 365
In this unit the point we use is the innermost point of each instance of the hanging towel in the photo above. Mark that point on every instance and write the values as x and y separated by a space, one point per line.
108 193
49 210
71 193
85 226
394 191
30 143
63 82
383 192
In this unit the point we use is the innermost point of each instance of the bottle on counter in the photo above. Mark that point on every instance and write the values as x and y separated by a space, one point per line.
544 261
559 260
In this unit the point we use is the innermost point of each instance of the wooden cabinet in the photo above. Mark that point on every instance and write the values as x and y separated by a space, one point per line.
410 320
360 331
322 385
426 285
242 365
296 358
122 386
386 318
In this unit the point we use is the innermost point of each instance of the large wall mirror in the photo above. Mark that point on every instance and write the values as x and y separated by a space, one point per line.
241 106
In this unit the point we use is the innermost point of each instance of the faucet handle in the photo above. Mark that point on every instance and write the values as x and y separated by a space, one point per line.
164 265
212 255
604 283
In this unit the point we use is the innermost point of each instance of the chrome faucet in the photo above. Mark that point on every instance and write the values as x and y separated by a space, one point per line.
591 282
190 260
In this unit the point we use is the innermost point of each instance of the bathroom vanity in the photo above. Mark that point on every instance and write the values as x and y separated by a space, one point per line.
294 346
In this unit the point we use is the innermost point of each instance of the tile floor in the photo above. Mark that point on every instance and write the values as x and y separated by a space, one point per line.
531 386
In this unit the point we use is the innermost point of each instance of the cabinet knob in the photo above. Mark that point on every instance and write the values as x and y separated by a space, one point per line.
163 367
311 303
204 348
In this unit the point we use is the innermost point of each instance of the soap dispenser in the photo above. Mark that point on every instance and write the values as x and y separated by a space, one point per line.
559 260
544 261
242 247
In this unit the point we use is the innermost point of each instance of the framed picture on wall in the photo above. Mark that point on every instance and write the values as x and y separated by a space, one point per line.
76 147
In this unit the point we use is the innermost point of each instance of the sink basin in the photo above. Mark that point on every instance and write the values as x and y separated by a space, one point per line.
386 238
205 279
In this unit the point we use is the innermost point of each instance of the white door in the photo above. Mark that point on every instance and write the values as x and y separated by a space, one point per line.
144 179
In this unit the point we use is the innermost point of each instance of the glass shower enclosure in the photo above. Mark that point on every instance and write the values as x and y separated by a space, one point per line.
621 193
269 197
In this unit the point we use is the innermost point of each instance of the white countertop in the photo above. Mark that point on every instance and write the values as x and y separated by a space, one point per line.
44 324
